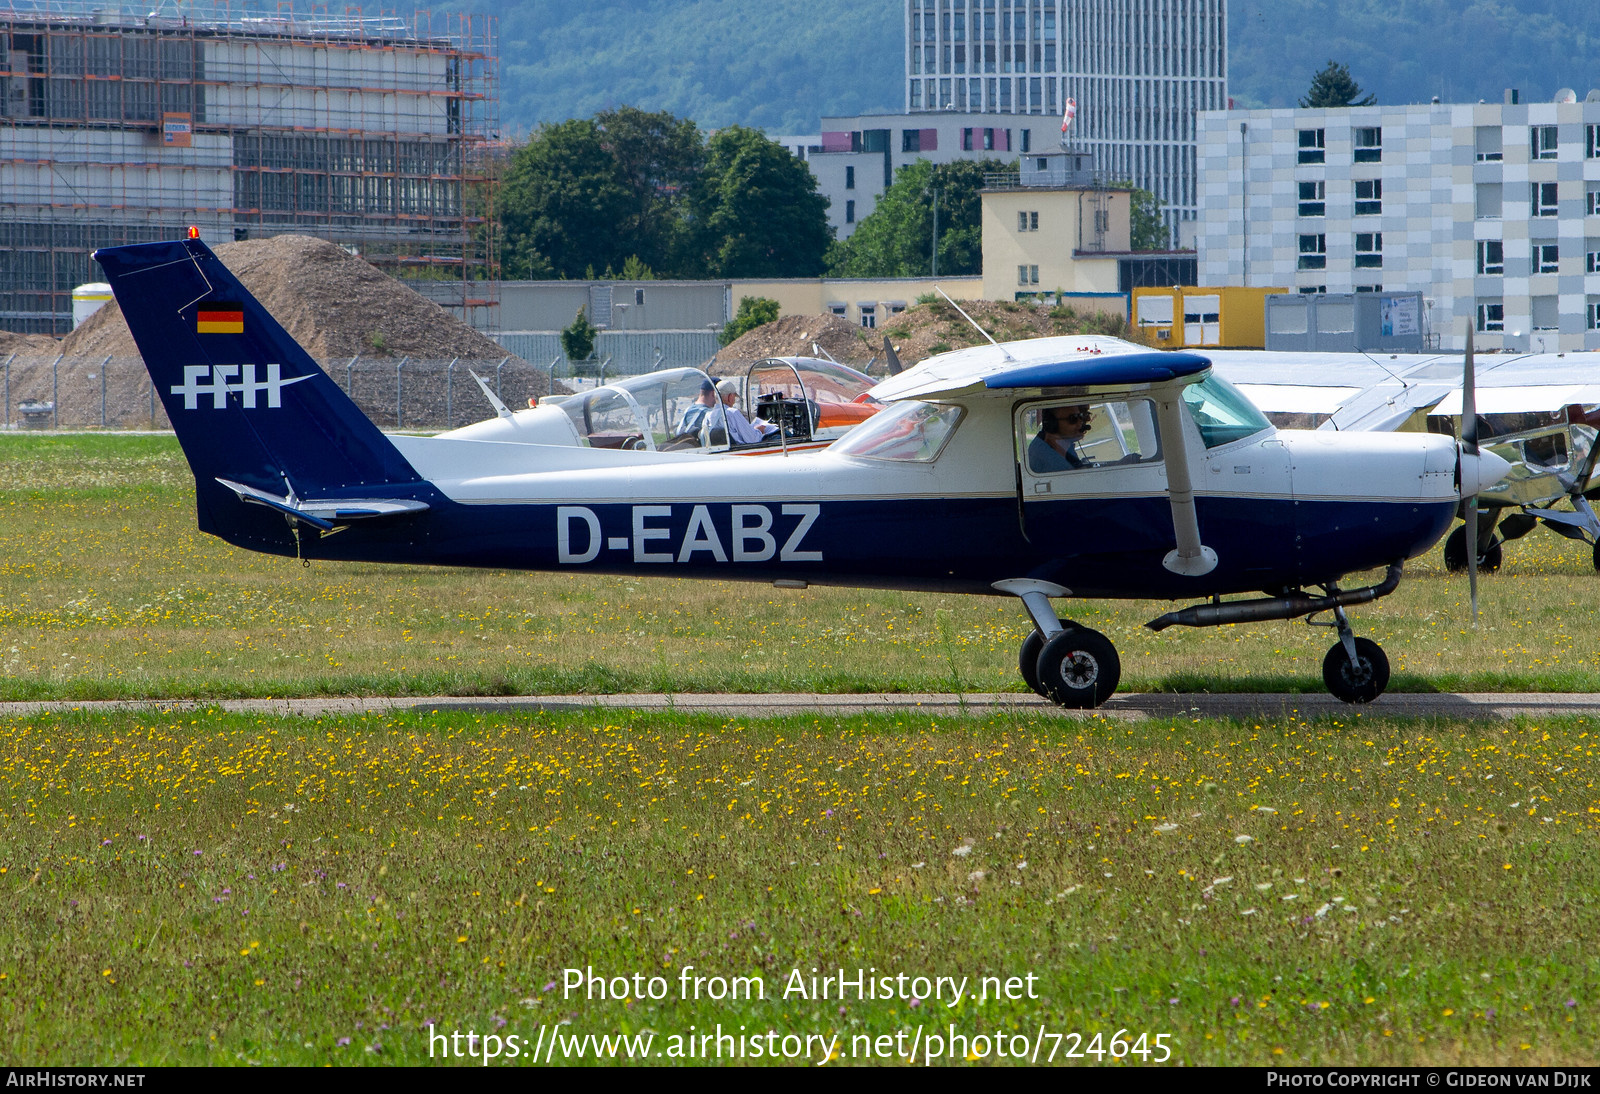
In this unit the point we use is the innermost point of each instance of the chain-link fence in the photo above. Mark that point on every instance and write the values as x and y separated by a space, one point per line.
396 393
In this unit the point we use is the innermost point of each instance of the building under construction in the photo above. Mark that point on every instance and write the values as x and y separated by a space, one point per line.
128 125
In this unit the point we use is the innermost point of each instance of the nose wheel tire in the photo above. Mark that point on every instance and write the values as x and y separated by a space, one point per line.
1078 668
1455 554
1360 681
1028 659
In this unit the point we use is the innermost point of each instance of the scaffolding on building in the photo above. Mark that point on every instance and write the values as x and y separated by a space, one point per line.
123 125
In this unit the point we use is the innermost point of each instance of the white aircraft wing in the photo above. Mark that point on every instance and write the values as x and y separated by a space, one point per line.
964 372
1345 391
1523 399
1380 392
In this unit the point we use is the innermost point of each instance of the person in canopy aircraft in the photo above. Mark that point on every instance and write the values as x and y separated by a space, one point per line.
695 417
741 430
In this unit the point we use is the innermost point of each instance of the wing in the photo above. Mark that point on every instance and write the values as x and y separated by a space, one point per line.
1343 391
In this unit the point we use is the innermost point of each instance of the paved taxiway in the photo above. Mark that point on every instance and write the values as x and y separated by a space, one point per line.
1132 707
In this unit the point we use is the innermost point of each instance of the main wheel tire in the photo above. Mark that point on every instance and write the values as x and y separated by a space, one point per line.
1028 659
1078 668
1597 554
1362 681
1455 554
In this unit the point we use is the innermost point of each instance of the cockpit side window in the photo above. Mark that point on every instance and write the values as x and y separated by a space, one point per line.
1057 437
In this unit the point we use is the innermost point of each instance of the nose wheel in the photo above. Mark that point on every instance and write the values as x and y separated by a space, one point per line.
1356 670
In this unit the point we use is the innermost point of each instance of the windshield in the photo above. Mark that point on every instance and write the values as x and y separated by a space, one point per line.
824 381
910 431
1222 411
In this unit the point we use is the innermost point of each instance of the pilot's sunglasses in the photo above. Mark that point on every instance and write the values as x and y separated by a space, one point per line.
1074 419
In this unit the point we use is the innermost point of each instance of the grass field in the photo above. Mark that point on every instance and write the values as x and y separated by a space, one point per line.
214 888
108 591
201 887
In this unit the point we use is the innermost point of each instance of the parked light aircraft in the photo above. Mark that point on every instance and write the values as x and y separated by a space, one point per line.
1172 484
812 401
1540 412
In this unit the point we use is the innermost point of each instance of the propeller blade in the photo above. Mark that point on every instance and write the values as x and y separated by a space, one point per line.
1472 554
1469 447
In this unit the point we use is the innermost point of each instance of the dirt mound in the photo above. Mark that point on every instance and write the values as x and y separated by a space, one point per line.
928 329
27 345
794 336
335 305
331 302
918 332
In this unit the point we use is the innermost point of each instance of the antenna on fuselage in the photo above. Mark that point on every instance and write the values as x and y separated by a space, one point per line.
974 323
494 400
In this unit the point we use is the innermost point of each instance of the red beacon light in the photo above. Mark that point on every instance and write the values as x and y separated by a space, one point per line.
194 233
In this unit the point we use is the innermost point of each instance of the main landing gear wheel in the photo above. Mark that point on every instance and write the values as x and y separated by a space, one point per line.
1455 554
1028 659
1078 668
1597 554
1360 681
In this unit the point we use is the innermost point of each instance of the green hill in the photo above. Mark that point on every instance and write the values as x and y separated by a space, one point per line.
1407 51
774 64
780 64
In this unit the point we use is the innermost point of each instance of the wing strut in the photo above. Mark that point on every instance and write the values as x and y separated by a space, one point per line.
1191 557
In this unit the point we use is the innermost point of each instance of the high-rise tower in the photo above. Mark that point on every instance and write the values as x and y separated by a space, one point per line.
1139 71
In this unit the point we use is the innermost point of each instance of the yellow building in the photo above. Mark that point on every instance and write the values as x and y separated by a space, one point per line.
1047 239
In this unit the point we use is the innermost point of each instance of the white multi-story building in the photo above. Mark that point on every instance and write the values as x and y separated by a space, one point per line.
1491 210
1138 70
855 158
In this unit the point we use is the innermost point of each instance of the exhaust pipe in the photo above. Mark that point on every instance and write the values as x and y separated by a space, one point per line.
1276 607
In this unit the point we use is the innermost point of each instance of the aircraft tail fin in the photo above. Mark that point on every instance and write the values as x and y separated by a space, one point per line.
250 407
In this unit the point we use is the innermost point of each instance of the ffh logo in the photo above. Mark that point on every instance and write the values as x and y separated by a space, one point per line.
219 388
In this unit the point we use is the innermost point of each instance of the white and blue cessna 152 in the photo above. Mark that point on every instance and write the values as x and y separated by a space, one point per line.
1058 467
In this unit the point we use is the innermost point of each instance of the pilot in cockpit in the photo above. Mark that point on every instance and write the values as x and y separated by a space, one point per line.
741 430
1055 446
695 417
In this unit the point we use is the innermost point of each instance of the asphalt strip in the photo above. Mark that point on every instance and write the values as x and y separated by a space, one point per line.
1133 707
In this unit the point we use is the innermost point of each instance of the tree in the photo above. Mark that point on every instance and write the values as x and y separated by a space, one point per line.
634 270
1147 230
659 157
577 341
1333 86
896 238
755 212
563 196
754 311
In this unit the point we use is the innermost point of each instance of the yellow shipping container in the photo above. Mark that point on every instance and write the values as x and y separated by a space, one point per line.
1186 317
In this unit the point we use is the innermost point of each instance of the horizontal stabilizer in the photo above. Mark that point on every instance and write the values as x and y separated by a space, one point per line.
321 514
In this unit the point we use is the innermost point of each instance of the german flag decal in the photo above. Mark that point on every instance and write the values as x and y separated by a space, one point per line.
220 319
